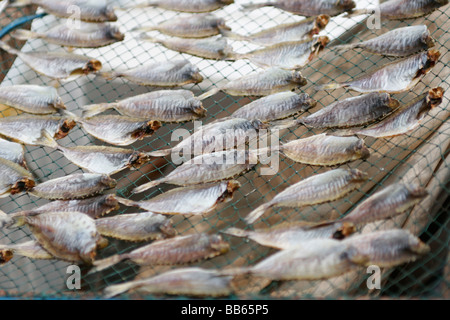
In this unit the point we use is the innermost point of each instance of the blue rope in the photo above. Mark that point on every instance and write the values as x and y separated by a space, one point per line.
18 22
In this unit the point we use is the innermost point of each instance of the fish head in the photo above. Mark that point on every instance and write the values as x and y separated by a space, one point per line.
433 56
442 2
417 191
417 246
196 76
217 243
344 230
298 78
102 243
167 229
110 14
435 96
198 109
5 256
318 46
221 25
307 101
346 5
361 150
391 102
138 159
258 124
115 33
146 130
358 176
107 181
59 104
23 184
428 39
92 66
227 195
65 128
111 202
321 22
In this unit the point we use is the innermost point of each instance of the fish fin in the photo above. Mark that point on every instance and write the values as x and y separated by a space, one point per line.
8 48
117 289
330 86
47 140
358 12
67 114
236 232
208 94
160 153
258 212
147 186
5 220
103 264
94 109
23 34
254 6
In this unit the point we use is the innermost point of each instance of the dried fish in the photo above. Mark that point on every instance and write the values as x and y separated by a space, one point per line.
320 188
205 168
404 9
30 249
388 248
87 35
407 117
85 10
191 6
397 76
118 130
56 65
13 152
74 186
161 74
136 227
35 129
14 178
295 31
94 207
162 105
398 42
286 55
69 236
325 150
31 98
387 203
210 48
351 112
263 83
275 107
308 8
178 250
290 234
192 26
216 136
192 200
311 260
184 281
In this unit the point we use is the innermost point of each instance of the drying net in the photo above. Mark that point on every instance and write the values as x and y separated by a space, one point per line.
421 155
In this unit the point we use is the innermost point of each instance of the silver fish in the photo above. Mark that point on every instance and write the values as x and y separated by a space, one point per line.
275 107
136 227
290 234
14 178
89 10
295 31
34 129
405 9
184 281
263 83
286 55
69 236
387 203
394 77
308 8
407 117
193 26
207 168
351 112
325 150
118 130
177 250
320 188
399 42
88 35
74 186
210 48
30 249
56 65
31 98
216 136
161 74
388 248
94 207
192 200
162 105
12 151
190 6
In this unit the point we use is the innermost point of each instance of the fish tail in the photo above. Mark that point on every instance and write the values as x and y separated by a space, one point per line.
234 36
23 34
358 12
47 140
103 264
160 153
145 37
345 47
283 124
235 271
8 48
208 94
117 289
330 86
109 75
94 109
254 6
147 186
126 202
5 220
144 29
236 232
258 212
